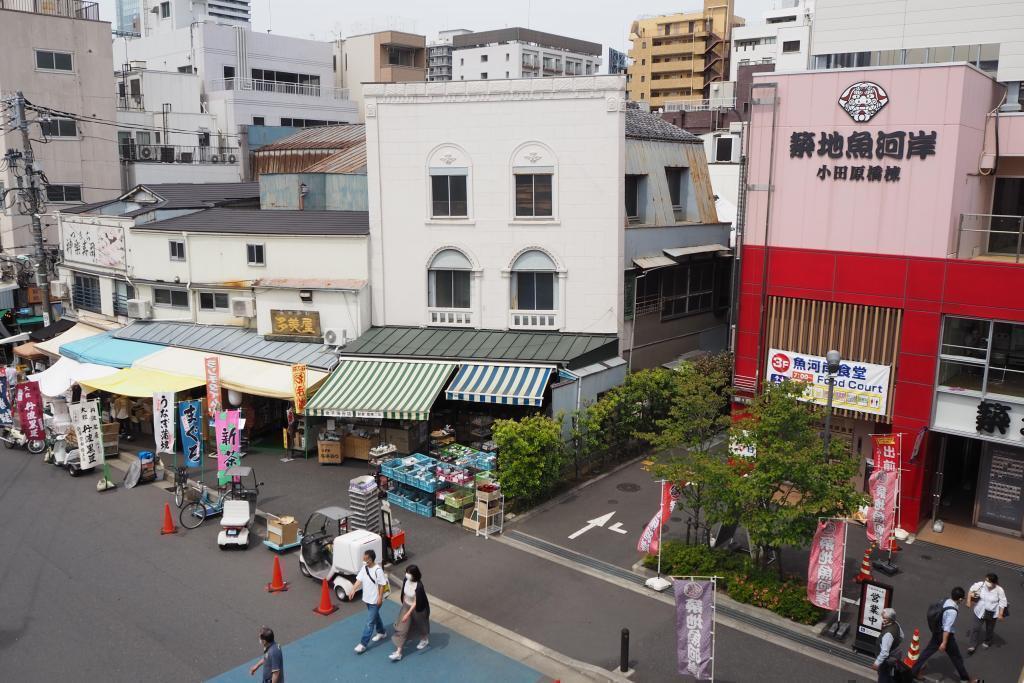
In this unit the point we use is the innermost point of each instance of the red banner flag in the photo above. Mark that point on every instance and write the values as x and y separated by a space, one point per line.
212 364
30 409
825 569
884 449
882 486
651 537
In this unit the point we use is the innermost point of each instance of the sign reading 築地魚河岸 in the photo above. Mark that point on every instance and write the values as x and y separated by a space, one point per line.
863 387
295 323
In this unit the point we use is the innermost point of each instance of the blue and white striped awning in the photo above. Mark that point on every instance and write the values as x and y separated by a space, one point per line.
513 385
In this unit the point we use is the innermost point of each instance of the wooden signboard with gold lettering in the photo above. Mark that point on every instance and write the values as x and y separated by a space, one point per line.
298 325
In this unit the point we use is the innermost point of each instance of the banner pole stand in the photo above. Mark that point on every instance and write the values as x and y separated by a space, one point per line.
659 583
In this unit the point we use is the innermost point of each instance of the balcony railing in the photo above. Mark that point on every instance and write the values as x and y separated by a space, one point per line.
129 102
178 154
451 317
990 236
257 85
533 320
702 105
75 9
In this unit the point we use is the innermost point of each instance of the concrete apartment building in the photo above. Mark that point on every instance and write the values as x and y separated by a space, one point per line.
677 57
59 56
783 39
522 53
439 55
381 57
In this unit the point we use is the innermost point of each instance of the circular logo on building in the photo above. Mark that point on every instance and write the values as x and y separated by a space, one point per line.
693 590
780 362
863 100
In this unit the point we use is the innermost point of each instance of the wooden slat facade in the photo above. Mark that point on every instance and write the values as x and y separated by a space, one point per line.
869 334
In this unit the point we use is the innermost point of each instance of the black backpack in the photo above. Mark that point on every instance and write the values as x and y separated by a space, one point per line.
934 615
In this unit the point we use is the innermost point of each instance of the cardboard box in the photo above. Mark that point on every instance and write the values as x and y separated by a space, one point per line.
329 452
282 530
471 521
488 496
486 508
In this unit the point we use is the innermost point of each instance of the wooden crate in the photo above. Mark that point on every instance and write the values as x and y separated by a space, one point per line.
330 452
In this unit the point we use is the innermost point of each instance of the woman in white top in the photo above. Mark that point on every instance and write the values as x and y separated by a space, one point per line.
987 601
414 616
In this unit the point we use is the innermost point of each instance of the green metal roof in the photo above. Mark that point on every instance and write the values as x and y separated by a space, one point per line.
563 348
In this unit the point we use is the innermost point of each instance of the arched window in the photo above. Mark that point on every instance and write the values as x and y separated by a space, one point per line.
534 282
534 183
449 280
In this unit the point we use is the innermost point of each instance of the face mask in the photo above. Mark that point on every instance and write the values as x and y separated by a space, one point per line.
989 585
408 577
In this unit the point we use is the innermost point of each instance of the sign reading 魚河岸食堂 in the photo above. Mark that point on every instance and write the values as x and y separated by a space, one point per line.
862 387
825 567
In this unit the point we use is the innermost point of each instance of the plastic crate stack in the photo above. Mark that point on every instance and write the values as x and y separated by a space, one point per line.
364 502
413 483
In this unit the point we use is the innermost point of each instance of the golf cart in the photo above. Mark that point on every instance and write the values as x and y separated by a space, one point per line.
239 507
330 551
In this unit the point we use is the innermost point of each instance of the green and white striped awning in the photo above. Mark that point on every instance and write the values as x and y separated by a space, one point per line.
393 390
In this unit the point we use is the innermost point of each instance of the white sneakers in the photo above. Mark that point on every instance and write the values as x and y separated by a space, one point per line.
360 649
377 637
422 645
395 656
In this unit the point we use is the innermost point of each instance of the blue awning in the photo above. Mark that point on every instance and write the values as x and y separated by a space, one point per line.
514 385
104 349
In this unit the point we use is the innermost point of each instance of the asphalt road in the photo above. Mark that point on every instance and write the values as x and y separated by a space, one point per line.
91 591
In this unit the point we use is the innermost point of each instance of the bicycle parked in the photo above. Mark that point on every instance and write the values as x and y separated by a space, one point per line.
180 485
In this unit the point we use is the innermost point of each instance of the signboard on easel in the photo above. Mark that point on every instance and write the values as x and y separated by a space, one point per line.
874 597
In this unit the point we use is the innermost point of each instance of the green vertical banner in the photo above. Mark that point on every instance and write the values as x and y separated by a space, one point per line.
228 442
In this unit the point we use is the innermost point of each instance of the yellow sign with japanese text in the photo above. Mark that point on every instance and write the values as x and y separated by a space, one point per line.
295 323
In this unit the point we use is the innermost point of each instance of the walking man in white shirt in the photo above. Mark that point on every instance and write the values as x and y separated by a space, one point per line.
987 601
371 579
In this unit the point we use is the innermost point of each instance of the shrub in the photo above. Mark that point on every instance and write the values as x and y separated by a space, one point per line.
531 456
740 579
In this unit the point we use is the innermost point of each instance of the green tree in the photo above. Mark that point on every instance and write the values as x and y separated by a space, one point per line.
531 456
685 439
791 484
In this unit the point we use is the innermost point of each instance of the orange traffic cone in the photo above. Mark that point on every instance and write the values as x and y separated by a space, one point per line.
277 583
169 527
914 651
326 606
865 568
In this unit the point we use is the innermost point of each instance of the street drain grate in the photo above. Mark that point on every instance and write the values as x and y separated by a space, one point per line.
628 488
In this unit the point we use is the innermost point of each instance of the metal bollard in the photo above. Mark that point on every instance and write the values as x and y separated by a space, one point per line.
624 651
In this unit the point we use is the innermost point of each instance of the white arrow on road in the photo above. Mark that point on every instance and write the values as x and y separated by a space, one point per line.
617 528
597 521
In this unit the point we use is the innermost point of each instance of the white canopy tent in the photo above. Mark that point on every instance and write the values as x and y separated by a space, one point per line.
55 380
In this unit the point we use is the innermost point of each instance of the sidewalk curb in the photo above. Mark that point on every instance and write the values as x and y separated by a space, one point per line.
557 500
563 662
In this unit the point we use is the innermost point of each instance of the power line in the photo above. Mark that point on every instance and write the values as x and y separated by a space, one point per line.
121 125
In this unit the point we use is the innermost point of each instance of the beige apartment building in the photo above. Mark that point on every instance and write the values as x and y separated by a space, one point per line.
381 57
677 56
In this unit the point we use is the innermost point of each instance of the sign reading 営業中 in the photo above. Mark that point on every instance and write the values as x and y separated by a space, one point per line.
862 387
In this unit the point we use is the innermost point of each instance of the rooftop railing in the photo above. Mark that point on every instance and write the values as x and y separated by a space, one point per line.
280 87
75 9
702 105
990 237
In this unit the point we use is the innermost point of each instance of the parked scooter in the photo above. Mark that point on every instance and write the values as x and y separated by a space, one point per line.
13 437
57 453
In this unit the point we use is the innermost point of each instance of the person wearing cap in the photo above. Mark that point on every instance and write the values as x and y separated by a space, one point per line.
887 662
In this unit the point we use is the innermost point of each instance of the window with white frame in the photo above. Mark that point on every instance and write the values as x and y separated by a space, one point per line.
52 60
448 196
176 249
448 284
122 293
533 194
214 301
63 193
985 356
172 298
86 295
255 254
59 128
534 282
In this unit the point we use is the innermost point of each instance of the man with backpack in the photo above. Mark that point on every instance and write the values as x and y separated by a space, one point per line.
942 622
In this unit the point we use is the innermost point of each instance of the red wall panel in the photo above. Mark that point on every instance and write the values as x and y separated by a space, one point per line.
882 276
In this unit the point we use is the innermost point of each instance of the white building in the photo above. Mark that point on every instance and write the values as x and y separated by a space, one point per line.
60 58
521 53
248 78
439 55
783 39
988 35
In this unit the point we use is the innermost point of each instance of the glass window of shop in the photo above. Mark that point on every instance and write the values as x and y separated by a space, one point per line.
985 356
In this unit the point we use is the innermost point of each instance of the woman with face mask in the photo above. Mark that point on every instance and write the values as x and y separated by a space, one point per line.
987 601
414 616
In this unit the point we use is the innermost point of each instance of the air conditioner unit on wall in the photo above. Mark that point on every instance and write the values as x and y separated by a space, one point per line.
243 308
140 309
335 337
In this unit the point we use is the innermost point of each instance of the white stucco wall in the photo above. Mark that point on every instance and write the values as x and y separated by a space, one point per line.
468 64
575 125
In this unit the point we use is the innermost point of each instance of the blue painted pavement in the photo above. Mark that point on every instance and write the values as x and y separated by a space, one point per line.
326 655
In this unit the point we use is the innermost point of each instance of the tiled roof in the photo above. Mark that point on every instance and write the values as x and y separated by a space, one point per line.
643 125
321 137
267 222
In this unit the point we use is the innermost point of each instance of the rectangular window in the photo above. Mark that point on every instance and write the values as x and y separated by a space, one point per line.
448 196
54 61
449 288
723 149
483 58
534 291
229 72
174 298
177 250
483 76
122 292
634 201
254 255
64 193
87 293
259 121
791 46
165 10
398 56
59 128
213 301
533 195
687 289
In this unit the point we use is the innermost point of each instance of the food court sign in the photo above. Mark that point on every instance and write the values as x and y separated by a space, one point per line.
863 387
862 155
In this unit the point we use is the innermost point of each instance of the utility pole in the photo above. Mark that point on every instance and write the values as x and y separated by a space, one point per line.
42 281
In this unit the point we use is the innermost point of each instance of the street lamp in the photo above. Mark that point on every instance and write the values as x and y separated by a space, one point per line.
832 360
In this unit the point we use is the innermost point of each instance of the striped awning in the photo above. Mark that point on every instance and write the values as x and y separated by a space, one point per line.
512 385
393 390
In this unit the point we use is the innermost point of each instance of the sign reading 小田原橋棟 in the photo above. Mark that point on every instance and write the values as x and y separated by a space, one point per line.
867 156
862 387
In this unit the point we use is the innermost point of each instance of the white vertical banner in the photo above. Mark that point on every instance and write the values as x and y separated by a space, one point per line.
163 422
85 416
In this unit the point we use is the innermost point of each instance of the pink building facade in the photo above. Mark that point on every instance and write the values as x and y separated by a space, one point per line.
883 220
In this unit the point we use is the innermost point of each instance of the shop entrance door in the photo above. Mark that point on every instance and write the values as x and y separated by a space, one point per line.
959 473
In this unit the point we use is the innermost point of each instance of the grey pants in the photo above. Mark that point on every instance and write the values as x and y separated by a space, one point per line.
417 625
986 623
